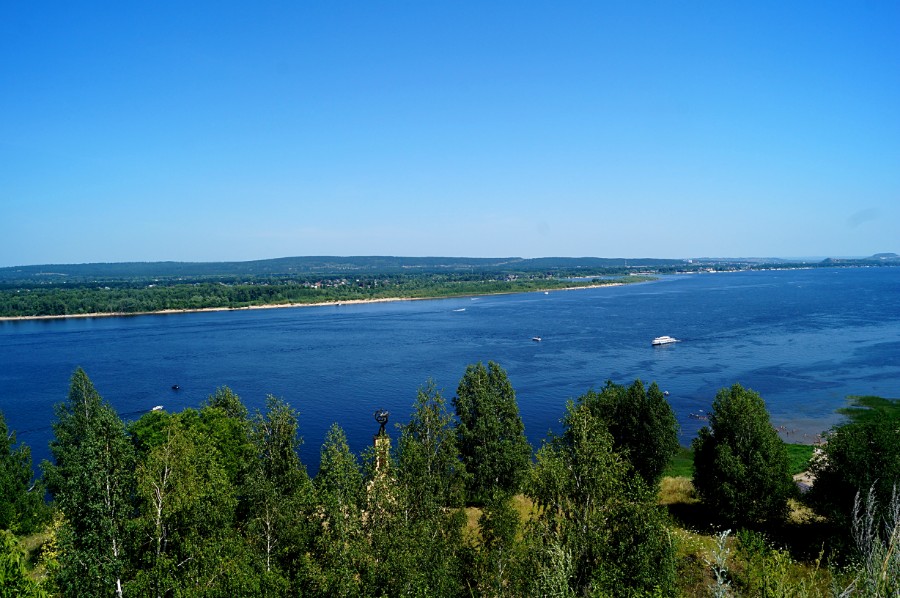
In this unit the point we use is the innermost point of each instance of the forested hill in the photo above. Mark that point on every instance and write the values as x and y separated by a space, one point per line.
320 265
344 265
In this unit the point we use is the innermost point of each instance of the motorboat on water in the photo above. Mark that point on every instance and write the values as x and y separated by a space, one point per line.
157 408
663 340
536 339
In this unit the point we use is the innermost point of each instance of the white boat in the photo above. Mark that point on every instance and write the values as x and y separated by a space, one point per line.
157 408
663 340
536 339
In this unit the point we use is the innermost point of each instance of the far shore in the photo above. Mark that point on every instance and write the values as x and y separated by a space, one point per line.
281 305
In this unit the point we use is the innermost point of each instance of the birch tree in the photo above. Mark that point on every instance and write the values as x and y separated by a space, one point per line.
91 480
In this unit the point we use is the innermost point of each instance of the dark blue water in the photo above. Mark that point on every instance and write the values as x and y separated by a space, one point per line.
804 339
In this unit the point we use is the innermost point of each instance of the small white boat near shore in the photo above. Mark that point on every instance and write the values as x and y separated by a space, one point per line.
663 340
157 408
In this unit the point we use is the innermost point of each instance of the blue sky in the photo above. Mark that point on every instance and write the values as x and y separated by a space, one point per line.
209 131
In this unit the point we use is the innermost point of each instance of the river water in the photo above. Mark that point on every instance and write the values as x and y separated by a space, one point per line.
804 339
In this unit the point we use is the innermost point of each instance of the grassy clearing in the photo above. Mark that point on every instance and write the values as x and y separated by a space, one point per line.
34 546
784 562
681 465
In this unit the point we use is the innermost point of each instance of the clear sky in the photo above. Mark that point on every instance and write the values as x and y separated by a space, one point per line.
207 131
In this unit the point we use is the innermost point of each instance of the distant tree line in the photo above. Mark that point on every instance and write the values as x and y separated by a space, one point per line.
129 297
157 286
215 501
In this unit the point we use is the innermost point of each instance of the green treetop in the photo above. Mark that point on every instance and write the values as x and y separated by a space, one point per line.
490 432
641 422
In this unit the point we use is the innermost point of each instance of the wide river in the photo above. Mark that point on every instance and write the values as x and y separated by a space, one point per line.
804 339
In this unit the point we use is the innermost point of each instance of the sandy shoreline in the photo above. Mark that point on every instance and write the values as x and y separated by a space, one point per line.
283 305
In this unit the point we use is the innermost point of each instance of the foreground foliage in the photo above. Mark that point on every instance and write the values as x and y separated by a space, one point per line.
91 481
860 457
598 529
21 499
215 501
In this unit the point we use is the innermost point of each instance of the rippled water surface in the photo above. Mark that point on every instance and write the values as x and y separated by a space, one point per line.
804 339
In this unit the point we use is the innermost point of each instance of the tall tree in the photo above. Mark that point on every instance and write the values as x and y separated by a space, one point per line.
92 481
166 489
225 421
490 433
186 529
428 464
279 493
21 499
338 545
598 528
741 467
642 424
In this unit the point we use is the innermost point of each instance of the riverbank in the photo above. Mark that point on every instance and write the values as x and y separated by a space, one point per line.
310 304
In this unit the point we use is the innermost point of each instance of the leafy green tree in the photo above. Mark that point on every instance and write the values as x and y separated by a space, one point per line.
598 528
490 433
858 457
225 399
279 493
338 545
167 485
92 481
21 499
185 531
741 468
428 465
642 424
225 424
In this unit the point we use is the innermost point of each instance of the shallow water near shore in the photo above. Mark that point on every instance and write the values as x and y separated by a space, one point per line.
804 339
